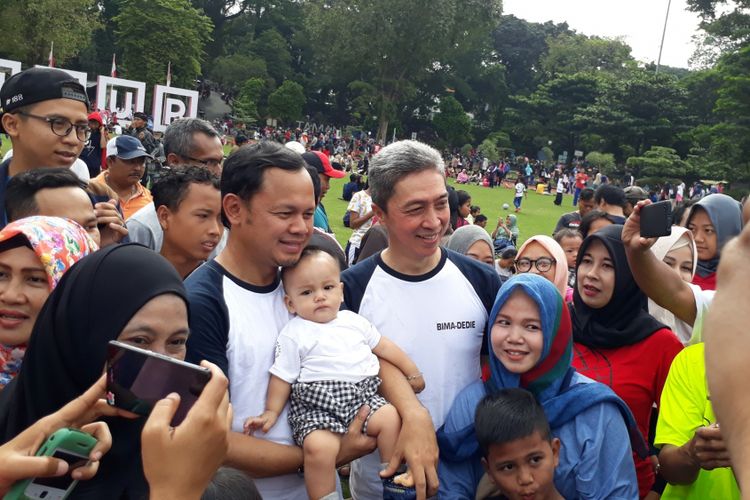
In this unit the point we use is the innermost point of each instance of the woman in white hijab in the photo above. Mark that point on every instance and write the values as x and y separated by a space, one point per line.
678 251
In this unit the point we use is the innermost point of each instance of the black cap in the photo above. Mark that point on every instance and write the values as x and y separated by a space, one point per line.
40 84
140 114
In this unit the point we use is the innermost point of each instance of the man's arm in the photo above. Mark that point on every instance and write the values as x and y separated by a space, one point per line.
355 221
261 458
660 283
417 443
727 344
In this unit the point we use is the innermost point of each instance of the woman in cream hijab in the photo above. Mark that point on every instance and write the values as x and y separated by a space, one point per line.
678 252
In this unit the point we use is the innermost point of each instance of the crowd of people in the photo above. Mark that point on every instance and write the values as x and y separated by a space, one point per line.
569 366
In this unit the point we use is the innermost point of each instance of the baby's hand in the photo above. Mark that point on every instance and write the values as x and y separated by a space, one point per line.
417 383
406 480
264 422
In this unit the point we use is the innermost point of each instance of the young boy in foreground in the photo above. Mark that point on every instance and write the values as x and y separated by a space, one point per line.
519 452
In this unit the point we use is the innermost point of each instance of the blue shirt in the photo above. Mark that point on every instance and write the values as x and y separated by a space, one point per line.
4 178
596 460
320 219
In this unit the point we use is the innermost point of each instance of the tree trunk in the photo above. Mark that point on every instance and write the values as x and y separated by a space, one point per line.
382 136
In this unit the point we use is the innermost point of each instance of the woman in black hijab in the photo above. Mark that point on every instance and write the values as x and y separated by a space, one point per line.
124 292
616 341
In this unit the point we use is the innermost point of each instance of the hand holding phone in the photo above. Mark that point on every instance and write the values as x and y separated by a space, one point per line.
70 445
137 379
197 447
17 456
656 219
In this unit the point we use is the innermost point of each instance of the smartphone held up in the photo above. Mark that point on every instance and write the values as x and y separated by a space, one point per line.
656 219
70 445
137 379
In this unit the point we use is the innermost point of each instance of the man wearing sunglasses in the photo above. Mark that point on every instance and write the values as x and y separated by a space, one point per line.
45 114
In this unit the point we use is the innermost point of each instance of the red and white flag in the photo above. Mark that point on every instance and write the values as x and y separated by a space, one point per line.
51 58
169 74
113 71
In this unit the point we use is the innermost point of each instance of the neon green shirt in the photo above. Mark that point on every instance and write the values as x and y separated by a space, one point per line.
685 406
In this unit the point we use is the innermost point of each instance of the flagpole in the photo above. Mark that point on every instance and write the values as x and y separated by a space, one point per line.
169 74
51 58
663 35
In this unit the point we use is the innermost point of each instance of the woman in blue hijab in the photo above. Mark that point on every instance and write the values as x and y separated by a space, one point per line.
594 425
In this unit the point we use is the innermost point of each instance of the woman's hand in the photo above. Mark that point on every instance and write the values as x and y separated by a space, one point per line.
17 455
196 448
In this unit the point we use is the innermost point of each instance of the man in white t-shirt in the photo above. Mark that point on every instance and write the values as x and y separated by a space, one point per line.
360 220
433 303
237 306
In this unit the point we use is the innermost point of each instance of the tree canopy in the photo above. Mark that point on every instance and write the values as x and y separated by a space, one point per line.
454 71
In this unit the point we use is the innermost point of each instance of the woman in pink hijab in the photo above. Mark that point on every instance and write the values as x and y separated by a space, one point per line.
542 255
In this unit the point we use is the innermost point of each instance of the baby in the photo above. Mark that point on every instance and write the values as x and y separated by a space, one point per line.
570 240
327 361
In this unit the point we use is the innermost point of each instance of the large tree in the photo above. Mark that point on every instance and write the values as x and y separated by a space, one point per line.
634 111
519 46
286 102
726 19
29 28
548 114
390 44
152 33
452 122
568 54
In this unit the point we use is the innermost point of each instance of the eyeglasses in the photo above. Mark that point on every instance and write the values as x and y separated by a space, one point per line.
542 264
61 127
211 162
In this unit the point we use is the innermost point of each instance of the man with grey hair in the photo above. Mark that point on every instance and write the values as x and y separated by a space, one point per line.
432 302
187 141
193 141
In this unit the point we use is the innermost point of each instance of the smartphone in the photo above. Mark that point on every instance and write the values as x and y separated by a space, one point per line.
137 379
656 219
71 445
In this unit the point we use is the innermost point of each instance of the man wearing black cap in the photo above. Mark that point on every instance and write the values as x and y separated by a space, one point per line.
45 114
325 172
138 129
633 194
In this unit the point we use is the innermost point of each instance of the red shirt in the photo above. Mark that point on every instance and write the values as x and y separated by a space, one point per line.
707 283
581 179
637 374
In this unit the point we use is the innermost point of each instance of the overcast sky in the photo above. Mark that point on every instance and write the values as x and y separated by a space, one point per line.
639 22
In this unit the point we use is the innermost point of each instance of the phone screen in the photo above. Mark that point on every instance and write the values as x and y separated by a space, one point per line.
137 380
62 482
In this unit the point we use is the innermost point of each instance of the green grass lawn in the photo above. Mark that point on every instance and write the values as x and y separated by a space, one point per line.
538 213
5 147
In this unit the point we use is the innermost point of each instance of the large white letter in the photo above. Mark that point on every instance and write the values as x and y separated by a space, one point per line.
168 109
107 92
78 75
8 68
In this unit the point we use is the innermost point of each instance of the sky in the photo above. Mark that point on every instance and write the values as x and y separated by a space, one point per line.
638 22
